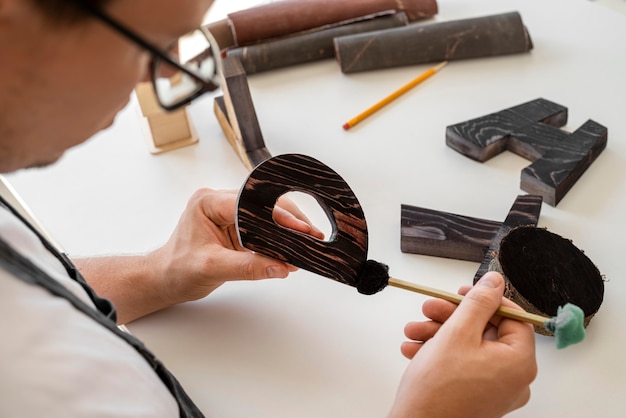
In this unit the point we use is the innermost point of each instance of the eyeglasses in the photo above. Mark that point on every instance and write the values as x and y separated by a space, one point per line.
180 78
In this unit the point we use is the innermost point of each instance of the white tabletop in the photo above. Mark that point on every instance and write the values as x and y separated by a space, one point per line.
310 347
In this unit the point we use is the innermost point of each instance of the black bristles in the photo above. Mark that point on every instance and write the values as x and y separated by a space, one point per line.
373 277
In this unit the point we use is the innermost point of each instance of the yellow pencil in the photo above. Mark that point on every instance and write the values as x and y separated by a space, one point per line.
393 96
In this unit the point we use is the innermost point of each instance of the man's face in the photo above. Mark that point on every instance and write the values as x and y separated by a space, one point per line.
70 82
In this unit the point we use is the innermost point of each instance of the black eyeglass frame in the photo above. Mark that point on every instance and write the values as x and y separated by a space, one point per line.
157 54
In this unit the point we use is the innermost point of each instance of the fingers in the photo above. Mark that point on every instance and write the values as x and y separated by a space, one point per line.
495 320
244 265
288 205
496 328
421 331
410 348
219 207
478 307
438 310
296 219
517 334
227 259
475 315
290 220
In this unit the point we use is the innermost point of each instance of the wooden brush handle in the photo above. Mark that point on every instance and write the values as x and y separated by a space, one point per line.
455 298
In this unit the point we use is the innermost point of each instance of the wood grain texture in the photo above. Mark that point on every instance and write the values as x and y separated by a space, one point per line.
309 46
222 33
433 42
524 212
532 131
250 158
342 256
291 16
237 116
163 131
443 234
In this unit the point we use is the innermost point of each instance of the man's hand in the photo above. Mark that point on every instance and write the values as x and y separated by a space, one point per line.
466 362
202 253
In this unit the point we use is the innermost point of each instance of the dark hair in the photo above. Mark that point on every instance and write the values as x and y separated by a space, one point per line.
65 11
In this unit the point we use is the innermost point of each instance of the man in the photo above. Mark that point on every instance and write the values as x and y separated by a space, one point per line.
67 68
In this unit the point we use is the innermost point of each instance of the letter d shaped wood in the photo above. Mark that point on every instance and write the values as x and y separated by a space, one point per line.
342 256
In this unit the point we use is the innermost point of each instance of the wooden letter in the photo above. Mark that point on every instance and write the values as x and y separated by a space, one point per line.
531 130
444 234
524 212
542 270
342 256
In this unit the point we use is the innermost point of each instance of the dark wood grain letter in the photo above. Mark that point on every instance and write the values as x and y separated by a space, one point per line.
340 257
443 234
532 130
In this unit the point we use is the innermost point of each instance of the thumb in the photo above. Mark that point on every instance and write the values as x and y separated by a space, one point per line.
478 306
244 265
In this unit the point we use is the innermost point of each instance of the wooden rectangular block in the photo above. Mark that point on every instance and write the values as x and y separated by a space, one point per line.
169 128
164 131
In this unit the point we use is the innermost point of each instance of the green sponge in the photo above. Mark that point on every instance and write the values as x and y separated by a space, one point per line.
567 326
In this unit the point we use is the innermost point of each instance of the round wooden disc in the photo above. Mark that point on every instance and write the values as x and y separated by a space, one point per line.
545 271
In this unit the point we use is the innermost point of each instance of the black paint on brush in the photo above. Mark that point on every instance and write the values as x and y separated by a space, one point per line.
372 278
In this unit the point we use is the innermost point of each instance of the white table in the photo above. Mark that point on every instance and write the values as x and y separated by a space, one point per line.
307 346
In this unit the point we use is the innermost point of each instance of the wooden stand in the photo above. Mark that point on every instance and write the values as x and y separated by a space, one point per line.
237 117
164 131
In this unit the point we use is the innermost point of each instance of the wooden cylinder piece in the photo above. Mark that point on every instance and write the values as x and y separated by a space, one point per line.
307 47
291 16
433 42
544 271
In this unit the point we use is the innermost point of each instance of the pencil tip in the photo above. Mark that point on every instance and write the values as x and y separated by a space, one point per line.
440 66
346 126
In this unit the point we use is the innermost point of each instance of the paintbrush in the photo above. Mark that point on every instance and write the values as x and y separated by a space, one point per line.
343 257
